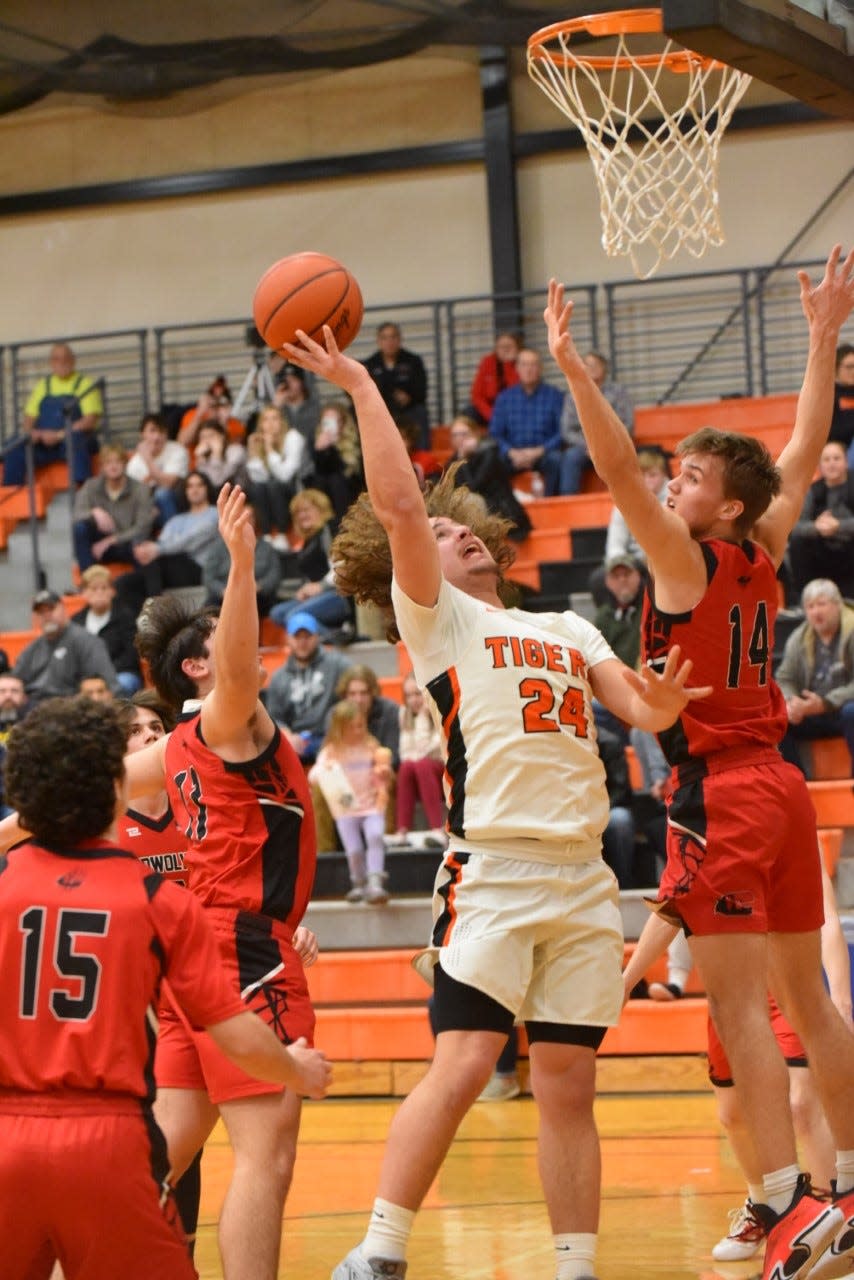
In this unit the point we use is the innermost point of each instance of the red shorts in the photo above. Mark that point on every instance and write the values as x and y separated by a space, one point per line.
742 849
258 953
784 1033
83 1181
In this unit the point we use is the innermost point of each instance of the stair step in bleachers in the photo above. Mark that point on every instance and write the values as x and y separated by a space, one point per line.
371 1004
565 576
589 543
545 544
526 573
577 511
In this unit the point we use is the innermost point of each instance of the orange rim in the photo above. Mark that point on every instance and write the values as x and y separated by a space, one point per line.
615 23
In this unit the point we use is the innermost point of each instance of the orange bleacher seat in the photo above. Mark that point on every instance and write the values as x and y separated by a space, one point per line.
404 662
15 501
769 417
14 642
578 511
833 801
272 635
440 438
545 544
830 758
526 572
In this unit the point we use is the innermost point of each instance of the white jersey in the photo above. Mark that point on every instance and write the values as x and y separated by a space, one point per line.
510 693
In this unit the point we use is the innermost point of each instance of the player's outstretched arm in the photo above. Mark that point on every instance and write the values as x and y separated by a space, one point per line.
11 832
647 698
392 485
664 537
250 1043
826 306
656 936
233 702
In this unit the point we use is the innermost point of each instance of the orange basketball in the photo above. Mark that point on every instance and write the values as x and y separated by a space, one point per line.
306 291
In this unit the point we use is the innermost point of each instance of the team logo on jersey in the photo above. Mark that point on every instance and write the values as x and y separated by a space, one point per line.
735 904
70 881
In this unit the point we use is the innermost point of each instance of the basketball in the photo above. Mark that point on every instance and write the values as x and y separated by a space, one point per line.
306 291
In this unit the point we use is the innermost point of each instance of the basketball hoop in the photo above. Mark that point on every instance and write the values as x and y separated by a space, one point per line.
658 180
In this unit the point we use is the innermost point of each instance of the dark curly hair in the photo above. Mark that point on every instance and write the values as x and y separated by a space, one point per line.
361 552
62 765
168 630
749 471
151 700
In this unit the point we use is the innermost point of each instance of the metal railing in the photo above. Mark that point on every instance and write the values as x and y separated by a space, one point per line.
697 336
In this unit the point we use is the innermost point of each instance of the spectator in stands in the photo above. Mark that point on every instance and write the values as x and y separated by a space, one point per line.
619 539
336 458
278 459
301 693
618 838
177 557
842 423
297 400
496 372
816 673
219 459
64 397
268 571
111 512
313 520
353 772
113 622
160 463
216 403
13 708
526 423
52 665
822 542
401 378
483 470
419 776
359 684
619 616
96 688
576 459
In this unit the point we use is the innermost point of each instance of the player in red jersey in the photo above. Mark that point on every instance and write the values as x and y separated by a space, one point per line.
743 871
240 797
87 934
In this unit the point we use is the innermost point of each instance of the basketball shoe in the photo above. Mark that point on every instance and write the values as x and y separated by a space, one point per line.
744 1239
357 1267
798 1237
838 1260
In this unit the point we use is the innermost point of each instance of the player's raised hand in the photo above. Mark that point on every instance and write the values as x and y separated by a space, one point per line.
666 692
236 524
327 361
313 1070
557 316
831 301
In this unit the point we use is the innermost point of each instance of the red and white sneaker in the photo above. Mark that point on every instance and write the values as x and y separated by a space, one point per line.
798 1237
838 1260
744 1239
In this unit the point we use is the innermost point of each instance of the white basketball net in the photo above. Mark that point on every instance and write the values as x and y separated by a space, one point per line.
658 188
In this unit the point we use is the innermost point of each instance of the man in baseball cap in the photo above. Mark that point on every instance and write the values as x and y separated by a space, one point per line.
53 664
302 621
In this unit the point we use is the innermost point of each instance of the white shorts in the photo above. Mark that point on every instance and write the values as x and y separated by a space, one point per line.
545 941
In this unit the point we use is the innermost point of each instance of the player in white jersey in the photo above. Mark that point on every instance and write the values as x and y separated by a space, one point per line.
526 920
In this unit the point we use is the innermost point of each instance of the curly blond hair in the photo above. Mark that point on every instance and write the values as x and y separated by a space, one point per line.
361 552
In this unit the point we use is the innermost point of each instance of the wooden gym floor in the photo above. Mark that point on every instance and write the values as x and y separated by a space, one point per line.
668 1181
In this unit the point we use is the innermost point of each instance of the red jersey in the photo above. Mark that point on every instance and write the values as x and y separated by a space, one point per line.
155 841
729 637
249 825
86 935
